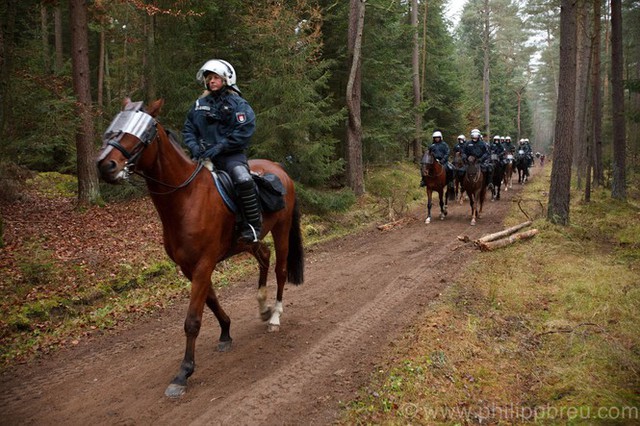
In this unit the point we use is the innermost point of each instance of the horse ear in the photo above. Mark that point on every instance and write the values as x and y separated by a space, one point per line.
154 107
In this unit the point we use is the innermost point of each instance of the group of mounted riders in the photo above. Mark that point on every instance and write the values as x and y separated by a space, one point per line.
491 156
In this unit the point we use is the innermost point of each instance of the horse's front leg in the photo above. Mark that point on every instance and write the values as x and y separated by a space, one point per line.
199 292
429 204
442 196
473 208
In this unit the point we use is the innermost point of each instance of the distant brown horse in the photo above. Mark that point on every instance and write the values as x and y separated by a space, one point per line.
508 172
473 184
458 176
199 230
434 175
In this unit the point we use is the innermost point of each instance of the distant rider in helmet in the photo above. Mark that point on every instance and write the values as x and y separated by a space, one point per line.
478 149
219 127
462 140
508 146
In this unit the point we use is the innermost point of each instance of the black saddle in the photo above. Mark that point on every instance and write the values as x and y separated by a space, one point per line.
270 189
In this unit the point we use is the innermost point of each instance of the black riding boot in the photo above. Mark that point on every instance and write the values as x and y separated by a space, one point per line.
245 187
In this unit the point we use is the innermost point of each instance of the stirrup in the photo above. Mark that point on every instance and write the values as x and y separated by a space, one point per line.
251 238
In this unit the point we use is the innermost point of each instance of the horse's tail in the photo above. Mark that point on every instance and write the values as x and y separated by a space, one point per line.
295 257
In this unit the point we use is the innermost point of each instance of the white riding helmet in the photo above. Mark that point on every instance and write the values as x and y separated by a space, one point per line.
508 138
462 138
220 67
496 137
437 134
475 133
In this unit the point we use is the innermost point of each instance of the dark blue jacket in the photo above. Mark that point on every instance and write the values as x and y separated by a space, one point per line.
440 150
496 148
459 147
508 147
219 123
477 149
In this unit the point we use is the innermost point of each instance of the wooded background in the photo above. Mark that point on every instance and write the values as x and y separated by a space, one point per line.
336 85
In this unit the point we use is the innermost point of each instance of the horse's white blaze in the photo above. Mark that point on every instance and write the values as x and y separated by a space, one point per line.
275 315
262 299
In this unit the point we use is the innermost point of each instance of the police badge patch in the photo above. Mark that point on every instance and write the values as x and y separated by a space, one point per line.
241 117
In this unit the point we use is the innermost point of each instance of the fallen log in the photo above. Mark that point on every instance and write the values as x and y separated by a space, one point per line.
492 245
394 224
501 234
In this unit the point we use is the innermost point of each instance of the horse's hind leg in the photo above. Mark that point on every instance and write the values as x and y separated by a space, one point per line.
429 204
443 203
262 254
280 235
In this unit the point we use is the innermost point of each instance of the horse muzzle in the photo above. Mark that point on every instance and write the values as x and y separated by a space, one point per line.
111 172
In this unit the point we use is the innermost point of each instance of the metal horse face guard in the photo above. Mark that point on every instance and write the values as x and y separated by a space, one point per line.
131 121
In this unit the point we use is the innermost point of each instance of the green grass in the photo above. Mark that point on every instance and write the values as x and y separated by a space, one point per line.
545 330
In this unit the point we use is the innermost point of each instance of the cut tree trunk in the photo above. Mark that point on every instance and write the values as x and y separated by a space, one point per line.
493 245
504 233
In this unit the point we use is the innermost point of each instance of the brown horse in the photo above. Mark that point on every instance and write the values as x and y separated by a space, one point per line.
435 177
508 172
473 184
199 230
458 176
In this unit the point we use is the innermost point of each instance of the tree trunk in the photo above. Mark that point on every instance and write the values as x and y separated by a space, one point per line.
149 82
559 191
485 70
44 34
6 64
582 79
618 185
355 172
423 72
57 31
493 245
596 102
88 189
415 65
101 70
504 233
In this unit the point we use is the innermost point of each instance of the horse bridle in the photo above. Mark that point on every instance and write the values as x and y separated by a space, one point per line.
433 160
143 127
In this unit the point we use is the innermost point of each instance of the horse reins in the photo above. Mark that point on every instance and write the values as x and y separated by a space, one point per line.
144 127
174 188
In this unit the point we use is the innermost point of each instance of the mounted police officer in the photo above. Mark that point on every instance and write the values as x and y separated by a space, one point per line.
478 149
508 146
219 127
496 148
526 147
460 145
440 150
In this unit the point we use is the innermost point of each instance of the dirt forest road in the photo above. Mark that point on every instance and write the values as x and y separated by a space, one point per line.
360 294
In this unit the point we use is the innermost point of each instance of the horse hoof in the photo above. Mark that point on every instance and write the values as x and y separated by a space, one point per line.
442 216
473 222
264 316
273 328
175 391
224 346
428 220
